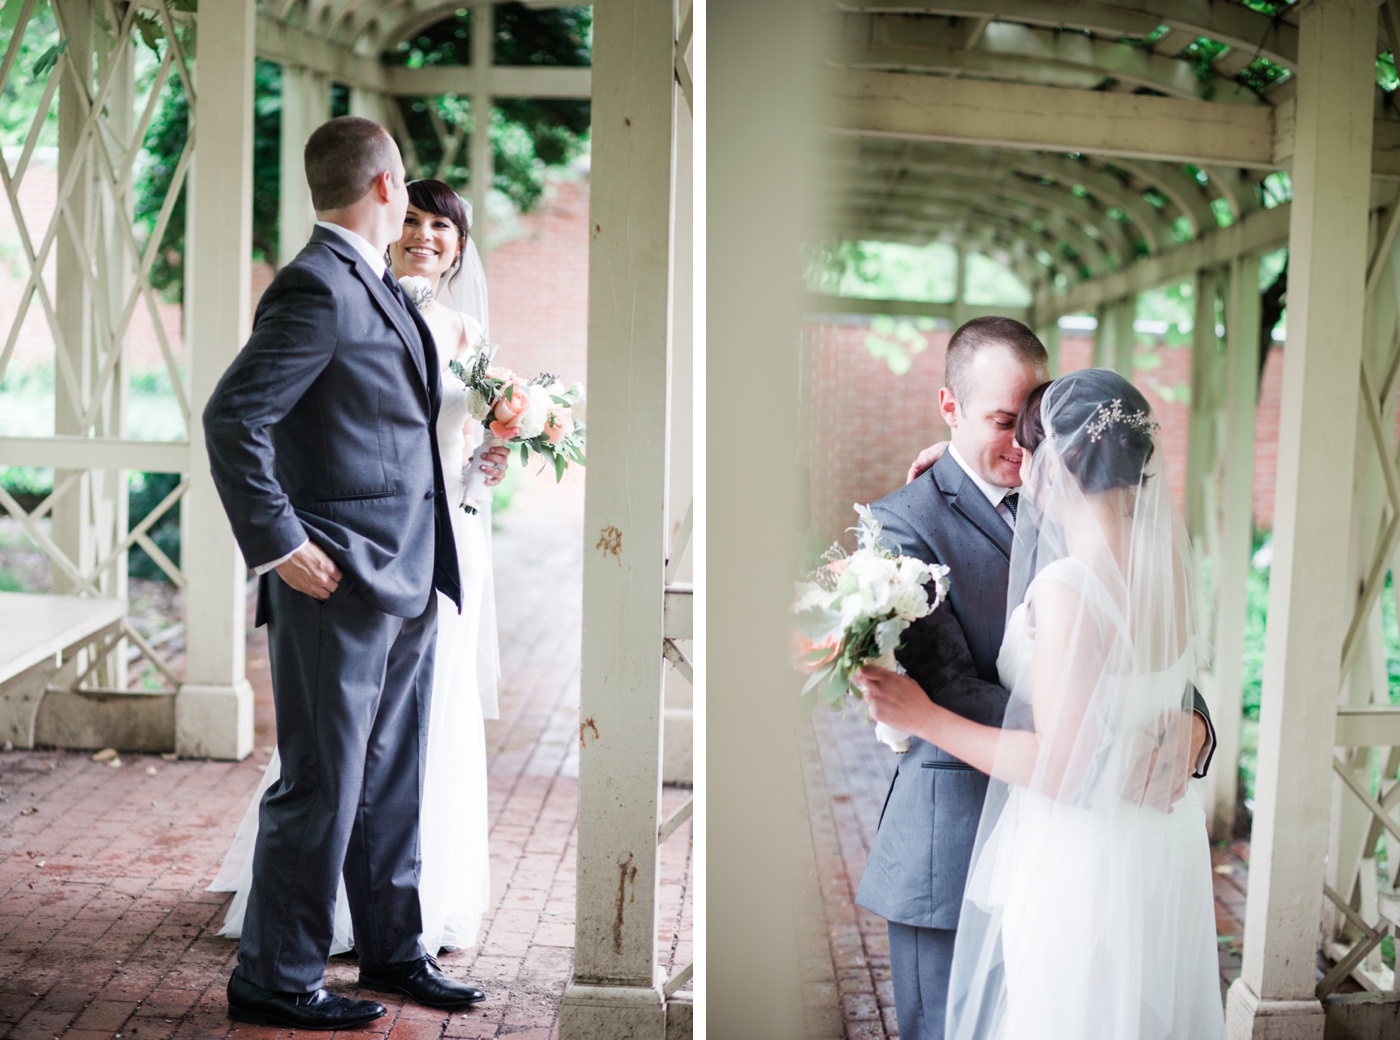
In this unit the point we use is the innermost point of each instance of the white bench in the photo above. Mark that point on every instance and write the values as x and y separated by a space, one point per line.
40 638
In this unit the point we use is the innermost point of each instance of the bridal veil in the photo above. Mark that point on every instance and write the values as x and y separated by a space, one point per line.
1088 911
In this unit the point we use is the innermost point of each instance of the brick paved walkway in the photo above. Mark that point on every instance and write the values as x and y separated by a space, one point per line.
845 950
105 927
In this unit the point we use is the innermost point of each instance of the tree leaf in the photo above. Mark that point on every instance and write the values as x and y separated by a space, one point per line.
49 58
559 466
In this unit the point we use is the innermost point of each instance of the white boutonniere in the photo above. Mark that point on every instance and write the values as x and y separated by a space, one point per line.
417 290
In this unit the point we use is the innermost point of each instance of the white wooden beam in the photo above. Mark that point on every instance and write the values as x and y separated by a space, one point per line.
857 305
509 81
1258 232
288 45
96 453
1310 596
1234 24
1005 115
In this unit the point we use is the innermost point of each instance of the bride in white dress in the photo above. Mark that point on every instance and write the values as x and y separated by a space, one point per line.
1088 913
454 887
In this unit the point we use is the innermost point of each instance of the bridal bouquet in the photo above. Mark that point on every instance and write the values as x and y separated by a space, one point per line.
538 415
852 611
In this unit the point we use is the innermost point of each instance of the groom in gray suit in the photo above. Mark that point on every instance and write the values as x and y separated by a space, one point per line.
322 442
961 513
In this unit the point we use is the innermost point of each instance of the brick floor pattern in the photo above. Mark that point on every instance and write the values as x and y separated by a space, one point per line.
845 950
106 929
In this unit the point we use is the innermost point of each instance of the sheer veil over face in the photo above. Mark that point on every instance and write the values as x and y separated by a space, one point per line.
1071 874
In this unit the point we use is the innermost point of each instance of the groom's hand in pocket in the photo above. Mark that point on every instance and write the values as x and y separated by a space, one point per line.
310 571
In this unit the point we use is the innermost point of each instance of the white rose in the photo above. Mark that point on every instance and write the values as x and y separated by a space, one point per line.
478 405
910 603
417 289
532 422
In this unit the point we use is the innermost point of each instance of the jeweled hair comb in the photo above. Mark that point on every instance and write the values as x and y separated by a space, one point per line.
1112 413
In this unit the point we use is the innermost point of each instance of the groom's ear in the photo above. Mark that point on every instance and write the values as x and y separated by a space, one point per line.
948 408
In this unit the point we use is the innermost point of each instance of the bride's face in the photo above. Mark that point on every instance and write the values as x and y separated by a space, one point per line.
428 247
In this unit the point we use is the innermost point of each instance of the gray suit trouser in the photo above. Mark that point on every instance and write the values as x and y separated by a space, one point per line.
352 686
920 962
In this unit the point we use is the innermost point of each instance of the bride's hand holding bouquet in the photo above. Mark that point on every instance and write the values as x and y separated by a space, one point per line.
852 612
538 415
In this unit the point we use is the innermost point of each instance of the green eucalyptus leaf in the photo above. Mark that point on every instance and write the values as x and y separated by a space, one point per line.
49 58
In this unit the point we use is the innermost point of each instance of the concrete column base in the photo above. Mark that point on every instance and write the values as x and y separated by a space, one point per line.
214 721
1248 1017
592 1012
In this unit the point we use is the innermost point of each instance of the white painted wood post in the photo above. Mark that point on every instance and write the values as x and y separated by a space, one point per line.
1231 571
1205 372
678 755
214 708
1104 328
615 992
758 215
1125 337
72 529
481 165
1050 336
1310 594
306 104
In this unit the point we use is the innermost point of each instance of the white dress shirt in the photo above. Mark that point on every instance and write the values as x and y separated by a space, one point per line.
995 495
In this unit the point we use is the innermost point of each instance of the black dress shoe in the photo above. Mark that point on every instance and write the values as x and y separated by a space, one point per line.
319 1010
422 980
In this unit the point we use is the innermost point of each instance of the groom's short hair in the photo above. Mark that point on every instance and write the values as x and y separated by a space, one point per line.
989 331
343 157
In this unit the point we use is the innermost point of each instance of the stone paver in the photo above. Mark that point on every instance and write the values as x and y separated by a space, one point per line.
845 950
105 927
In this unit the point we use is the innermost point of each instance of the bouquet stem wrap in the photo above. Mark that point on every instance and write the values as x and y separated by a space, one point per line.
477 493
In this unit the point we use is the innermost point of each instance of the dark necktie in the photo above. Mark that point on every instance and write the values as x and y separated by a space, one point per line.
1010 502
392 284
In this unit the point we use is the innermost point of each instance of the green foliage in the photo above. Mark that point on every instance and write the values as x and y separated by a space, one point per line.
1260 74
29 485
528 135
1202 53
22 89
146 491
894 271
897 341
1386 78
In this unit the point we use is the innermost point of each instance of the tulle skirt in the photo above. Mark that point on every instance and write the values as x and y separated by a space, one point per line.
455 886
1106 927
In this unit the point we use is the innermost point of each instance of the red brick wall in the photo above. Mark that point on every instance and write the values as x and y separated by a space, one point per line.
863 425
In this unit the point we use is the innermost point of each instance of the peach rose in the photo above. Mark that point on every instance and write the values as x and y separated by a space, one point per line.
509 411
557 425
805 652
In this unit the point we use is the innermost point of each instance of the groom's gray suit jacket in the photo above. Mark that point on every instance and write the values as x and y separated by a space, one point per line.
918 864
325 427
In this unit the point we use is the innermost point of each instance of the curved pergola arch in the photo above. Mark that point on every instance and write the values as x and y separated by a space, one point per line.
974 198
1034 54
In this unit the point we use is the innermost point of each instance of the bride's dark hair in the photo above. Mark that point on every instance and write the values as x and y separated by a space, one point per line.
1108 426
1104 423
437 198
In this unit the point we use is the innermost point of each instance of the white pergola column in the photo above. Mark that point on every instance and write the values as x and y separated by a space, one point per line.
214 708
765 96
615 991
1050 336
1125 337
1104 328
1310 594
72 530
306 104
678 753
1201 439
1231 570
481 159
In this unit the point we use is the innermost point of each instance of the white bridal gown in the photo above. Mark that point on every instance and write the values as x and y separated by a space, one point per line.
1107 913
455 886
